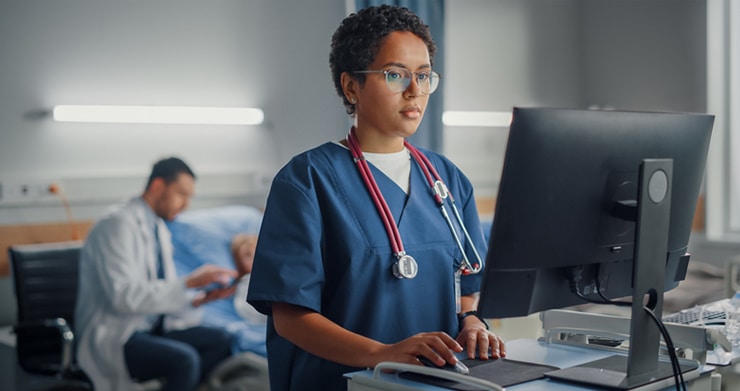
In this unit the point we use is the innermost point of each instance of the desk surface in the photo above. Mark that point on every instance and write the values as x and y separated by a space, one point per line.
527 350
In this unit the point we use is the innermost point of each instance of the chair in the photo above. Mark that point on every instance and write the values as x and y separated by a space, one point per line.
46 280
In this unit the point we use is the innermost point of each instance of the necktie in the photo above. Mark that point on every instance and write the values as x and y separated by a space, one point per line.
158 326
158 249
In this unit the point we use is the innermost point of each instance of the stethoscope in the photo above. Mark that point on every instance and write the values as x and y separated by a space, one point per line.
405 265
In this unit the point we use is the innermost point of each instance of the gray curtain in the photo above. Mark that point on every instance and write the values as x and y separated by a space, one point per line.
431 12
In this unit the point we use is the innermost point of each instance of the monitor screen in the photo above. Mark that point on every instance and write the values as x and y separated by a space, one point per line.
594 206
568 185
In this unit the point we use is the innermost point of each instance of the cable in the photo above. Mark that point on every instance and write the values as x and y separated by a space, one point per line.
675 366
55 189
677 374
577 276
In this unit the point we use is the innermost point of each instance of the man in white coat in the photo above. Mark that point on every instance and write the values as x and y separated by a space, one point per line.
129 286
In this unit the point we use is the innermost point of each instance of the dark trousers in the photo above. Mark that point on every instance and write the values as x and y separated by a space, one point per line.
181 358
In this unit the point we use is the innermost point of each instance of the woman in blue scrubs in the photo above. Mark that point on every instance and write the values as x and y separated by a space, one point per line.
332 268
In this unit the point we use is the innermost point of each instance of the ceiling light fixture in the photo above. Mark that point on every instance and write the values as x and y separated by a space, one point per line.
159 114
477 118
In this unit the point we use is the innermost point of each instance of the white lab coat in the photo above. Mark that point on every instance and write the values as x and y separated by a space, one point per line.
119 291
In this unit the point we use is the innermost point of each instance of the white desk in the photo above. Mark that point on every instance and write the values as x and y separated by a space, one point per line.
527 350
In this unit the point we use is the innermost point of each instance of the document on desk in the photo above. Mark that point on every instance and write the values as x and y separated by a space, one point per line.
503 372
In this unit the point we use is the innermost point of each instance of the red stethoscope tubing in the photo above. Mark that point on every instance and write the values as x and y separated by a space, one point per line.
385 213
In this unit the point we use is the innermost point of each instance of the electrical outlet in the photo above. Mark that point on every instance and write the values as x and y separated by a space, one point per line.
15 191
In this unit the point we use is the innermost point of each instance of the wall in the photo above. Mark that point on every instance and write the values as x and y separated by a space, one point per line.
501 54
271 54
627 54
646 54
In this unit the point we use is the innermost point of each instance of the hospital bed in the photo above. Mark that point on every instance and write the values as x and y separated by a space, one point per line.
204 236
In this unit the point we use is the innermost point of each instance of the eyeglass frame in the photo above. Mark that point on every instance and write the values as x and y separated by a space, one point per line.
385 72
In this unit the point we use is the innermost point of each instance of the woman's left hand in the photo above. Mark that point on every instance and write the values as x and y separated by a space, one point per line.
474 336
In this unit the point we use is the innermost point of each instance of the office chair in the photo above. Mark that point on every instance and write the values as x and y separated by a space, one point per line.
46 280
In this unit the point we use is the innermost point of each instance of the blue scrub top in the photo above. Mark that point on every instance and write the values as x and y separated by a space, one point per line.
323 246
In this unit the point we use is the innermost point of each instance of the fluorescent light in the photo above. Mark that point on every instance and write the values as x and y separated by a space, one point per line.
159 114
477 118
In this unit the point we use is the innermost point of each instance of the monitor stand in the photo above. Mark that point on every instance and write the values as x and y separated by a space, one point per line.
642 365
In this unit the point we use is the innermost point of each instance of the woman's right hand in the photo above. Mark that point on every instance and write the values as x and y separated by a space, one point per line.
318 335
437 347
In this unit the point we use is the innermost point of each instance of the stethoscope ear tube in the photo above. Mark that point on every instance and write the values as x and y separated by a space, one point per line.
477 267
440 192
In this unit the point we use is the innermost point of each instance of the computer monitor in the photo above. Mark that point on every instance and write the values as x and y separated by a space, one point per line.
573 215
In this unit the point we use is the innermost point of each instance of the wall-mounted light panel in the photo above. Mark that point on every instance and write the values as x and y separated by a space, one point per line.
159 114
501 119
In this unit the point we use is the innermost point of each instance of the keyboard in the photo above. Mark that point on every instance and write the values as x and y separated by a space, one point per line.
694 316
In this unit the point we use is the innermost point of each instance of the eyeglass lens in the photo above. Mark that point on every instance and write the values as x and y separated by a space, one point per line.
399 79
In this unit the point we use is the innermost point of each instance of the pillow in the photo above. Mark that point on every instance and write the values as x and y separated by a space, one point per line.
225 221
204 235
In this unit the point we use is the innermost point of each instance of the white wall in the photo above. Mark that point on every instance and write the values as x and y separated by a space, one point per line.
645 54
271 54
624 54
633 54
501 54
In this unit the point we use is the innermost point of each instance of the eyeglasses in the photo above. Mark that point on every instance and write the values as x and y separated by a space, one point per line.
399 79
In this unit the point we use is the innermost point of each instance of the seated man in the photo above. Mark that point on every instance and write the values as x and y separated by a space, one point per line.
129 291
223 236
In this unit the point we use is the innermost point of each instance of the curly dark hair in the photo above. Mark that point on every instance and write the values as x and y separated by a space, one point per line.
359 37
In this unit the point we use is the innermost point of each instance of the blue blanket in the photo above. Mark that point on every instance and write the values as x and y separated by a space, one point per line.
204 237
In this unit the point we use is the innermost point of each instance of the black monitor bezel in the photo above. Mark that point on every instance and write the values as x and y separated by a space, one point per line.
553 157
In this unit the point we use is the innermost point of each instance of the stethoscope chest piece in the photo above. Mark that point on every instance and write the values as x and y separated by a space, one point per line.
405 267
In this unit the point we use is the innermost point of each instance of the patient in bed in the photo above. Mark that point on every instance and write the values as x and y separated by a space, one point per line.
242 250
224 236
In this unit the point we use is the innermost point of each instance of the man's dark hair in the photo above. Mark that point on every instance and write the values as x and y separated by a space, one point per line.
169 169
358 38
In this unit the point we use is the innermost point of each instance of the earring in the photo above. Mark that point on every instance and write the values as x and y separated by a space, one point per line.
352 100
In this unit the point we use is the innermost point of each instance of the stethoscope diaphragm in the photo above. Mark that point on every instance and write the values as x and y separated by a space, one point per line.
405 267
